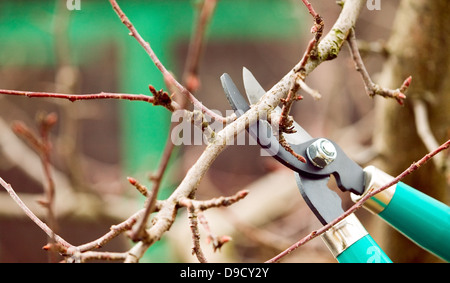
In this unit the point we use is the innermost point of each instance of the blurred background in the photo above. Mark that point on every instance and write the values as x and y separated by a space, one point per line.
44 46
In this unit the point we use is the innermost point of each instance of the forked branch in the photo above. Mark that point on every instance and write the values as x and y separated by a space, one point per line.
317 52
168 77
372 88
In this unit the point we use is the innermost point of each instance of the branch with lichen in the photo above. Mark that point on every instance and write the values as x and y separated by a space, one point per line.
327 49
316 53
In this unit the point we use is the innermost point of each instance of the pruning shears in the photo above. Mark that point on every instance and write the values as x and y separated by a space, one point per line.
423 219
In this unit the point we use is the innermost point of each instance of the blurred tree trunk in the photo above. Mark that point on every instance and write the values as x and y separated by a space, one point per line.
419 46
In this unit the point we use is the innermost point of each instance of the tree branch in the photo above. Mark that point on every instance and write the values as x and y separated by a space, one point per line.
42 146
190 75
424 130
193 224
191 80
195 213
102 95
168 77
373 89
327 49
31 215
330 46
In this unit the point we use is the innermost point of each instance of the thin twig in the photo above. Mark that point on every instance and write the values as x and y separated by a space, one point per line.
310 8
138 232
140 187
190 75
300 68
32 216
47 122
318 22
168 77
285 124
76 97
195 210
373 89
216 241
328 49
288 148
314 93
424 130
202 205
359 204
193 224
311 50
110 256
42 146
115 230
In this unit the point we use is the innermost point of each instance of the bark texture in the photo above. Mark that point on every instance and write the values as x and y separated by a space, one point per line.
419 46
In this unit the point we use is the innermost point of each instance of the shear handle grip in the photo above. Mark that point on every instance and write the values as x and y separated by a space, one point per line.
365 250
421 218
349 242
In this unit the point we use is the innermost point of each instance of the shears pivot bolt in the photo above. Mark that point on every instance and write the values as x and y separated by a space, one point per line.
321 153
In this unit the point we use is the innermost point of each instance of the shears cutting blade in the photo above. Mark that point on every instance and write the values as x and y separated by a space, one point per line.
312 180
348 240
254 93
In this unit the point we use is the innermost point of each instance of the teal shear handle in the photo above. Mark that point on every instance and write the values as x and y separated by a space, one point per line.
421 218
349 242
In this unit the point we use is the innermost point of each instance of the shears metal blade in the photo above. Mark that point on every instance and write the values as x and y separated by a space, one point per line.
254 93
311 180
400 205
